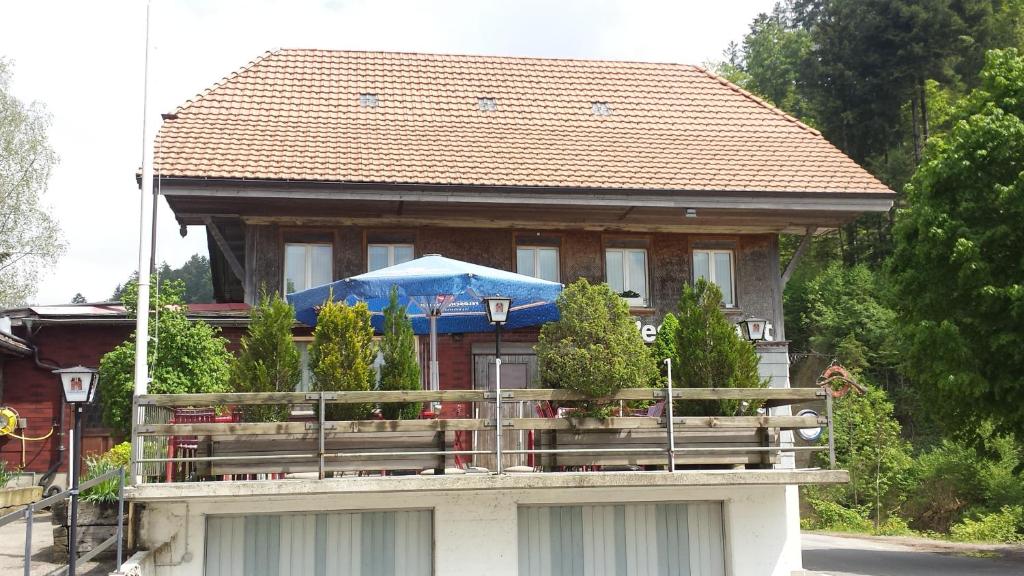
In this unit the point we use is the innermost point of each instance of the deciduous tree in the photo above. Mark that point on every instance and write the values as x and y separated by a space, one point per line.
30 238
958 269
184 357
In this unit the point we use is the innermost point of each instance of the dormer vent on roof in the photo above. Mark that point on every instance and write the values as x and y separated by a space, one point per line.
600 108
368 100
487 104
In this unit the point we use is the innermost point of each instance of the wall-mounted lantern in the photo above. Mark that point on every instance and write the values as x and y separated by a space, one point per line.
755 329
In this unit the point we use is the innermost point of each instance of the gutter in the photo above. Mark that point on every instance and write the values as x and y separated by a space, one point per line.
192 182
47 476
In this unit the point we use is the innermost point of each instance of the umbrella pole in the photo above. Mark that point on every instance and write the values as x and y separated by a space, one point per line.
434 376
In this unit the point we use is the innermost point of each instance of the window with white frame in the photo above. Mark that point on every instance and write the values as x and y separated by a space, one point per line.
383 255
306 266
626 273
716 266
537 261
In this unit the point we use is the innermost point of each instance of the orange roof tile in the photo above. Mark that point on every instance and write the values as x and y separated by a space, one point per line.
296 115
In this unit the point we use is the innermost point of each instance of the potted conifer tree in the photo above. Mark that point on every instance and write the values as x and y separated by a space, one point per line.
400 370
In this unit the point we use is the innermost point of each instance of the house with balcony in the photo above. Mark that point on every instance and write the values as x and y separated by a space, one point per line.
309 166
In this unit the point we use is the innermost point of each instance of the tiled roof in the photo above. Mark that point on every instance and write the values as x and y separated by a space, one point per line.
306 115
12 345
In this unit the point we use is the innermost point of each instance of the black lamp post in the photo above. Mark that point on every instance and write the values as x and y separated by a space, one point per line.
497 314
79 384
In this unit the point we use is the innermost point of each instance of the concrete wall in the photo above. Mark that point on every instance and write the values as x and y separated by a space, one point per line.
476 531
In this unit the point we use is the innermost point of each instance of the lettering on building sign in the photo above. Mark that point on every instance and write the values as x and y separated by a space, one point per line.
649 332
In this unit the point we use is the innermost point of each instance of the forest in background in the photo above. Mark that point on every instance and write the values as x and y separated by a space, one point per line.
924 303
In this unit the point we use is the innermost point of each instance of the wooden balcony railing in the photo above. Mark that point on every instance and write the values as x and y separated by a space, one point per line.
186 437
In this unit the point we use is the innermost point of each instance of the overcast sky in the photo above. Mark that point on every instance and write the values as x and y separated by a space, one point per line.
84 61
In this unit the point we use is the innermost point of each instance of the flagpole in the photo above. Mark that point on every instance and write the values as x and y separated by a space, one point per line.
145 242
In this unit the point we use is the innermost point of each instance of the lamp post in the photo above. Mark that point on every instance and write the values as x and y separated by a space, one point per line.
79 385
497 314
754 328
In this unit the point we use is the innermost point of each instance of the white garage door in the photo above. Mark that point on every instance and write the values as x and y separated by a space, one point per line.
665 539
330 544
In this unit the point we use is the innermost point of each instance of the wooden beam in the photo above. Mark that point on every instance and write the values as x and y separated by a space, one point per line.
791 265
778 396
229 255
299 431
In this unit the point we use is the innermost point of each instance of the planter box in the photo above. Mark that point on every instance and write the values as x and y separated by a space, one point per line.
707 440
13 498
96 523
270 447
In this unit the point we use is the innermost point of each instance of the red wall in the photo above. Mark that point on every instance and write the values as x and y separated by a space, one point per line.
35 392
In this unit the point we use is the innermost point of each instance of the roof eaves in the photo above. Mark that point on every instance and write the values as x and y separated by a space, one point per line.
230 77
754 98
14 345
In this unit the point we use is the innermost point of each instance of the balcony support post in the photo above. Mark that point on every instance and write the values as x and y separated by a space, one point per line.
670 424
831 435
320 433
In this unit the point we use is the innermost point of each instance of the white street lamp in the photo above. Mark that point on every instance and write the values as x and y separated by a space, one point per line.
79 385
497 313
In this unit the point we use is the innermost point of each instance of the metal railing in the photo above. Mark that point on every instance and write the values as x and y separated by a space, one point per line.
322 445
28 514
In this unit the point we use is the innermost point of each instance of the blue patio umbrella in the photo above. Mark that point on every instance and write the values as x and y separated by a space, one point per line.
442 296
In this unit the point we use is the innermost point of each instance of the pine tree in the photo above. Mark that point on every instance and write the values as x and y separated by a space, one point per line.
709 352
341 356
665 346
400 370
268 360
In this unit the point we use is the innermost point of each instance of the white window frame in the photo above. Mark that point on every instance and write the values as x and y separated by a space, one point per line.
712 272
308 261
391 251
536 260
633 302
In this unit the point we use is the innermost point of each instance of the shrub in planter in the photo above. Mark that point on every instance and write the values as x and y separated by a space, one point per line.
400 370
268 360
97 512
341 356
594 348
665 347
106 492
710 354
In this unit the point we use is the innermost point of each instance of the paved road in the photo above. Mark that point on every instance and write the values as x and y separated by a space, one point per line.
849 556
12 550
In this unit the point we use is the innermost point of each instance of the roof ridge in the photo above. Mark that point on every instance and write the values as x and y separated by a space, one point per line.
758 100
488 56
223 81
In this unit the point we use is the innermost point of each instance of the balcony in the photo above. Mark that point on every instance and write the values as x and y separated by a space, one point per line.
192 438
